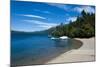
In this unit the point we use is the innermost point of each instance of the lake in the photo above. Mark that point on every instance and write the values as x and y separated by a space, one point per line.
32 49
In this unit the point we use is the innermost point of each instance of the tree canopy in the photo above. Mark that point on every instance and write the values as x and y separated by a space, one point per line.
83 27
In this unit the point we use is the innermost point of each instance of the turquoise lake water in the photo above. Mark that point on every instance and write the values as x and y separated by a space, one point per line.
32 49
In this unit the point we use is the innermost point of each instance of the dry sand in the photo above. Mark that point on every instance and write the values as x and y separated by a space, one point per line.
85 53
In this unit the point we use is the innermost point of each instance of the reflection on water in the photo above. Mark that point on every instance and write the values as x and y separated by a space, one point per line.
62 43
39 49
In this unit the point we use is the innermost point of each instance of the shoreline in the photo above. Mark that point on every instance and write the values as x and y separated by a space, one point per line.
83 54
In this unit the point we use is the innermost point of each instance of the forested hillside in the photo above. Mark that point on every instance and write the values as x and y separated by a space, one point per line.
83 27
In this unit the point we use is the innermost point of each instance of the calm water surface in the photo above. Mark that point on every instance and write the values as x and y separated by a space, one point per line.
37 49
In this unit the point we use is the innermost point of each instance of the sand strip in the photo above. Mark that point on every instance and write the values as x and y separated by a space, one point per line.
85 53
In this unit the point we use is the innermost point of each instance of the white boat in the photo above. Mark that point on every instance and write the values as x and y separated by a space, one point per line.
54 38
63 37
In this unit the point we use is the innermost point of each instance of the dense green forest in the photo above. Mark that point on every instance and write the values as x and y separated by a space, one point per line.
83 27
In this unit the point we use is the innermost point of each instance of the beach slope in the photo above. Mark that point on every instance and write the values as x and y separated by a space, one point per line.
85 53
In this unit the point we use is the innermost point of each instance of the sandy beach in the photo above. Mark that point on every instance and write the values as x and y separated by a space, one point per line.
85 53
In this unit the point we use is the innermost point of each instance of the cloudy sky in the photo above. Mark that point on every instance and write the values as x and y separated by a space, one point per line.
35 16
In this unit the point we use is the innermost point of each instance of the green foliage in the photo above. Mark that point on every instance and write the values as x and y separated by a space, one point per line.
83 27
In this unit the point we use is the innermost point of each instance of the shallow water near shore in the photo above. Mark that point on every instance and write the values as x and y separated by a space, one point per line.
38 49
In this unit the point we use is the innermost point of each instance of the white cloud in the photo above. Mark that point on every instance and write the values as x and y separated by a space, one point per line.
61 6
41 24
71 19
34 16
86 8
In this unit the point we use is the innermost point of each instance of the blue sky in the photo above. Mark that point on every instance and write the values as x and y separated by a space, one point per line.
35 16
